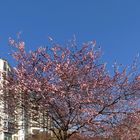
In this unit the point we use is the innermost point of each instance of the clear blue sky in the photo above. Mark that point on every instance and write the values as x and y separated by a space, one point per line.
114 24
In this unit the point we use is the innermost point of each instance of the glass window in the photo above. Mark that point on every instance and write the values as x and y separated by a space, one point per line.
15 138
4 75
4 66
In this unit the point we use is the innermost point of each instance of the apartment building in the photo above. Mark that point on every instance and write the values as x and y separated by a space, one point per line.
6 130
25 127
7 121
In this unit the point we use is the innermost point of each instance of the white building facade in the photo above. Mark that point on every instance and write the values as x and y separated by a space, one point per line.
25 127
7 132
5 121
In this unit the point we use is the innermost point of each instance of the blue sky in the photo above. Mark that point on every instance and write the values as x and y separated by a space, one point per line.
114 24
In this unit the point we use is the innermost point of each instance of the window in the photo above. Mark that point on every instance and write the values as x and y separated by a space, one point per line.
0 74
15 138
5 138
4 66
35 131
4 75
5 124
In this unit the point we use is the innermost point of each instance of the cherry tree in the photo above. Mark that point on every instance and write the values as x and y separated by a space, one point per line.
128 128
68 90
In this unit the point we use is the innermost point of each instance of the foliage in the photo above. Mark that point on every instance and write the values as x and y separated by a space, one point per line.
70 89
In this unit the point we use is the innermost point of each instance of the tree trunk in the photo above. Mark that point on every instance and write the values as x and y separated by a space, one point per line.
65 135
